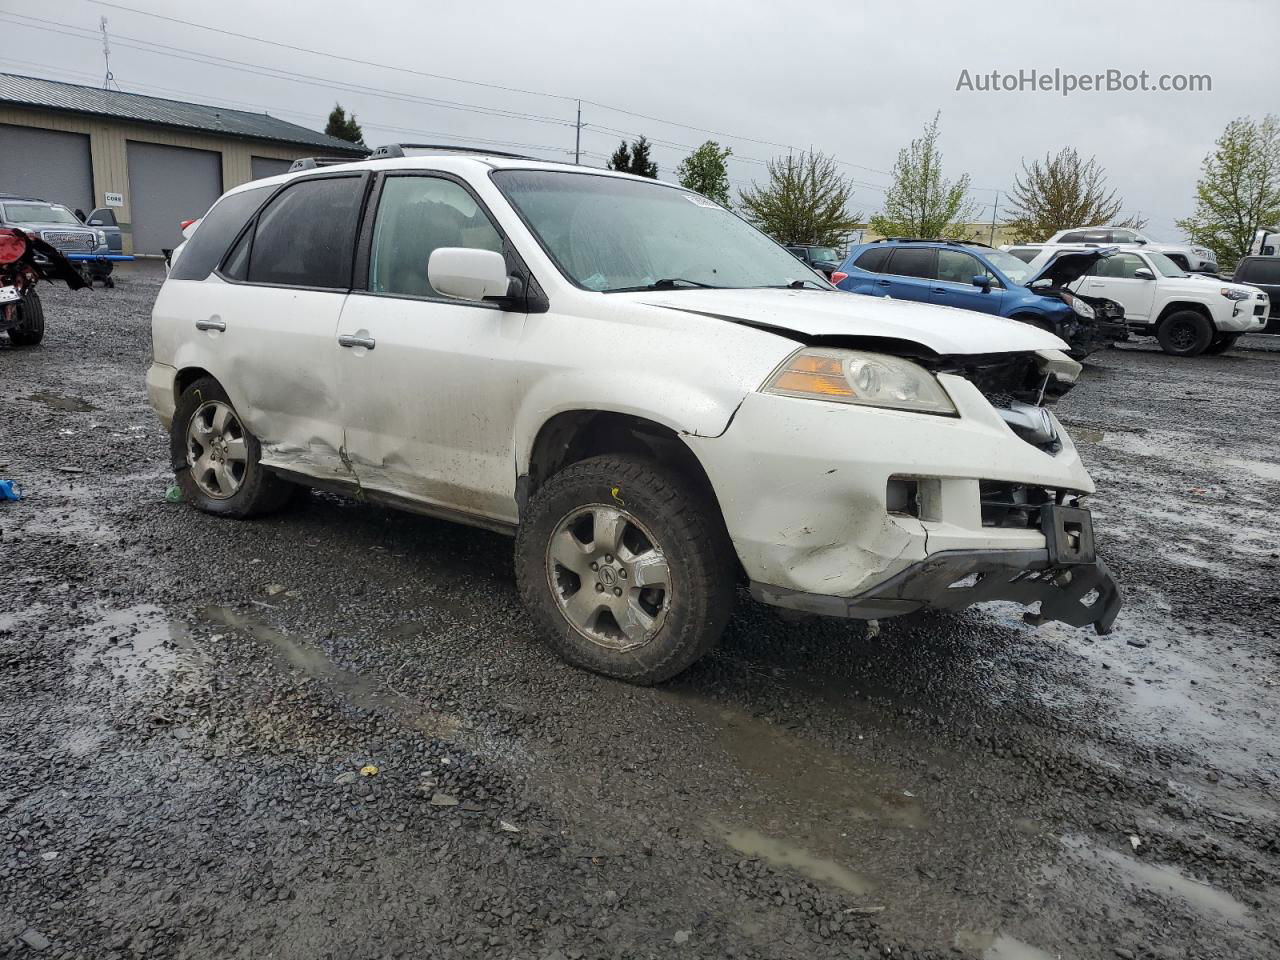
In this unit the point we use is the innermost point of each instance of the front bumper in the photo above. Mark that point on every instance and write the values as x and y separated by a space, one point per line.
1077 594
803 487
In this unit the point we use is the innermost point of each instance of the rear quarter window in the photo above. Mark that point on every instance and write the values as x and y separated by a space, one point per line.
219 227
872 260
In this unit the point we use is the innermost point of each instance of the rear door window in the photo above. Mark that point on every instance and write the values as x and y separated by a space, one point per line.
1085 236
873 260
213 234
913 262
306 235
1261 271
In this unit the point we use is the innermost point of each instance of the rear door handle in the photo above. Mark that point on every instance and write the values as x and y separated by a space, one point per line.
211 325
883 283
351 340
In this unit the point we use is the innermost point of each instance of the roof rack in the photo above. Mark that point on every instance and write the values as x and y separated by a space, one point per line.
392 150
959 243
312 163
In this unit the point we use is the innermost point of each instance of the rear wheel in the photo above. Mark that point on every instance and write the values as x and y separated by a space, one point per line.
30 329
1185 333
222 471
1222 343
626 568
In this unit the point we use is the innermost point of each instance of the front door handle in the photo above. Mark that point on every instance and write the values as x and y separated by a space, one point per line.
351 340
883 283
219 325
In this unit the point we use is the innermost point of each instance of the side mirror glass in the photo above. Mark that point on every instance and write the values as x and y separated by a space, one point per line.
468 274
1143 273
983 281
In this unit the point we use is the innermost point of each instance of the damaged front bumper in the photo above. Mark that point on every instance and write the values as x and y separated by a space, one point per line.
1078 594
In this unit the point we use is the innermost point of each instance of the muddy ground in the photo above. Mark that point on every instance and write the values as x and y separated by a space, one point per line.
191 711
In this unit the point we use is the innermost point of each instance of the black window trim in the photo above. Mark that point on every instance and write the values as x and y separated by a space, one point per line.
252 225
364 245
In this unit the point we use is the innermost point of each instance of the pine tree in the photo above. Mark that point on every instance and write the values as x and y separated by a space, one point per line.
344 127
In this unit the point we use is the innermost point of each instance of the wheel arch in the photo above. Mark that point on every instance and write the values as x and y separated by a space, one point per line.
1178 306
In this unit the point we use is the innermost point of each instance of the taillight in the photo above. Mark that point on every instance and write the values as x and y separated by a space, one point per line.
184 224
837 276
13 246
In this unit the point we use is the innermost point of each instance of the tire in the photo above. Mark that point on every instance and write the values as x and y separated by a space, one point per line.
665 524
30 329
1222 343
220 454
1185 333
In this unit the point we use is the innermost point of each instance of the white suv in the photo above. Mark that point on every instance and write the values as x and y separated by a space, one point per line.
653 397
1192 258
1188 314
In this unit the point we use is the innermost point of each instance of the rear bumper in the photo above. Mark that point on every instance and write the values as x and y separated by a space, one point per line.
1020 576
160 381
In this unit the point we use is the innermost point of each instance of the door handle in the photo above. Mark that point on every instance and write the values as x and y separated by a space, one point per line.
939 289
883 283
211 325
351 340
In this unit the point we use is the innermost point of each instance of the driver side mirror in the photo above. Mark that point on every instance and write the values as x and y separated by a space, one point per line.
1143 273
983 281
468 274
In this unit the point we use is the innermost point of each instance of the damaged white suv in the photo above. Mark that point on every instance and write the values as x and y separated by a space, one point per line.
656 399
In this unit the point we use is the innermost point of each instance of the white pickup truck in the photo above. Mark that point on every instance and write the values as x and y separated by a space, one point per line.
1189 314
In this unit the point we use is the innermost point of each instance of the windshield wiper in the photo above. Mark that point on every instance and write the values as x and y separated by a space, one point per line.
667 283
793 285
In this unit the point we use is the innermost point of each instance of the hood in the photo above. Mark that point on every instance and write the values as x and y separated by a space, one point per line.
835 313
1067 266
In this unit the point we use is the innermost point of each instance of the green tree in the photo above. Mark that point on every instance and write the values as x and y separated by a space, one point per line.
706 171
634 159
921 203
1238 190
805 201
1059 192
344 127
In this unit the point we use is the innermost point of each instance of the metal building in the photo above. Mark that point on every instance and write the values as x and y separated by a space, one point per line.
156 162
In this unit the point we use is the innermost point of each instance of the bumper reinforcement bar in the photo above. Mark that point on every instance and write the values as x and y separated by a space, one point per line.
955 579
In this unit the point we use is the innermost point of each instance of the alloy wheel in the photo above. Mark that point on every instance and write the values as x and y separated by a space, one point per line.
216 450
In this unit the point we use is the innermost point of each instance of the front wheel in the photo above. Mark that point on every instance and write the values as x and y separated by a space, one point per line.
626 568
1185 334
1222 343
221 470
30 328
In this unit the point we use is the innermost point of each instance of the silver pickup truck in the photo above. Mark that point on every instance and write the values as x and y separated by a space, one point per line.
93 247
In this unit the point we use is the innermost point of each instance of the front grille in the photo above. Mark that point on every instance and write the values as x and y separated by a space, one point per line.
1014 505
998 399
68 240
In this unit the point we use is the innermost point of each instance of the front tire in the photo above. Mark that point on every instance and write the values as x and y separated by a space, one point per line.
1185 333
221 470
30 329
1222 343
626 568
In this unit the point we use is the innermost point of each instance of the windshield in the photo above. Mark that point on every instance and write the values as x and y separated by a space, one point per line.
38 213
1165 266
611 234
1016 270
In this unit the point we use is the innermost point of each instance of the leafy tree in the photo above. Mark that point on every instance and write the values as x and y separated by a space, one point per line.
705 171
1059 192
920 203
344 127
805 201
634 159
1238 190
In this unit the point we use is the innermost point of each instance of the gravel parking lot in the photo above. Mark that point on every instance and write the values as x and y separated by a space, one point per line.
331 733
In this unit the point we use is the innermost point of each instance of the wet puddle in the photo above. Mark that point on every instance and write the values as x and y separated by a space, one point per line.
134 643
1263 469
311 661
780 853
998 946
56 401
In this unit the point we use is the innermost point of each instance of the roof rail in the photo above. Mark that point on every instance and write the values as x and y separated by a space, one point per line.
312 163
392 150
961 243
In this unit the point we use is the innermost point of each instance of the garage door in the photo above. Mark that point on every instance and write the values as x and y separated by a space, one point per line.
268 167
166 186
50 164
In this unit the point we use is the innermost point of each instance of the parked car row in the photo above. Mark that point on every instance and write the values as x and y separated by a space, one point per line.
93 246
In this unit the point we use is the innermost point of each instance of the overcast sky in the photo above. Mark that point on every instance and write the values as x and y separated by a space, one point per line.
856 80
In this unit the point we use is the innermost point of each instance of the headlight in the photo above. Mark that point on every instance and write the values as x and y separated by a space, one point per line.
1235 294
870 379
1078 306
102 236
1203 253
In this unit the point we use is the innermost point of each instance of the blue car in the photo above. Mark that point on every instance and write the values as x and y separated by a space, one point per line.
973 276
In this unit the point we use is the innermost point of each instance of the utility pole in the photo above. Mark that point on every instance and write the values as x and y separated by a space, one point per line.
577 136
107 79
995 207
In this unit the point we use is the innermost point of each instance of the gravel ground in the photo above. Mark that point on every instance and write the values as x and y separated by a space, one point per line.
331 733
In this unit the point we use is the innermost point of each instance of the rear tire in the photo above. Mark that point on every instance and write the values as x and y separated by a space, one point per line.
1185 333
1222 343
30 329
626 568
222 471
